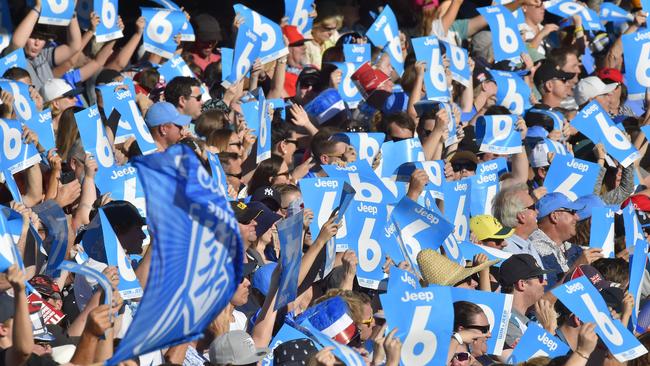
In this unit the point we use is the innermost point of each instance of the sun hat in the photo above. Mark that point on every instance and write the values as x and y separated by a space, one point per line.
437 269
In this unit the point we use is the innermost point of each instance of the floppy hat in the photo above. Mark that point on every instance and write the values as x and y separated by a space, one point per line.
488 227
437 269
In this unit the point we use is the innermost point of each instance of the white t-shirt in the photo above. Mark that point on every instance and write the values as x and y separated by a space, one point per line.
240 321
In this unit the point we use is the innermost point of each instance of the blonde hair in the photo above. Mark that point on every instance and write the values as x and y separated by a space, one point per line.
67 133
220 139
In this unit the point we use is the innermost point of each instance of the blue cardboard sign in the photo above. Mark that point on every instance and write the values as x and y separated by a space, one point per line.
271 40
226 62
198 253
16 156
356 53
594 122
638 264
427 50
92 274
458 64
582 298
601 234
264 135
365 225
384 32
512 91
56 242
290 237
23 104
6 28
485 185
162 26
298 13
247 49
506 39
42 126
435 170
363 179
366 144
537 342
497 134
496 307
567 9
176 66
8 251
218 174
394 154
107 29
187 31
556 147
457 206
636 47
347 89
610 12
401 280
424 322
13 59
571 176
56 12
558 118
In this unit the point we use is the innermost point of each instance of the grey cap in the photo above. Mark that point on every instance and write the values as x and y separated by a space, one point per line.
236 348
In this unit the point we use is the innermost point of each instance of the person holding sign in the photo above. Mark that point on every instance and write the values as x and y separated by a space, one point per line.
552 83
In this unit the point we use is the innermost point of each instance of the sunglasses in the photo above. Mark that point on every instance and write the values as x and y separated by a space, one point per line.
572 212
531 207
368 321
462 356
469 166
539 278
295 142
197 97
482 328
238 176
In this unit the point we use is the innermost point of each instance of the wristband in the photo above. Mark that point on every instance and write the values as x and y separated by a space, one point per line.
458 338
37 11
581 354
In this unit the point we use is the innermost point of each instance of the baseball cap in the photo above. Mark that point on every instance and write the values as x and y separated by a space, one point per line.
589 202
309 76
640 201
265 219
206 28
488 227
243 213
294 36
519 267
609 73
296 352
164 112
554 201
262 277
236 348
591 87
592 274
268 196
548 70
58 88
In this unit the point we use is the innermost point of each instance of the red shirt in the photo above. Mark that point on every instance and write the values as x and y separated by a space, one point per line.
204 62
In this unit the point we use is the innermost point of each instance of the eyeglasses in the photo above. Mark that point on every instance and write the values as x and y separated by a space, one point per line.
462 356
197 97
368 321
539 278
238 176
295 142
569 211
460 166
481 328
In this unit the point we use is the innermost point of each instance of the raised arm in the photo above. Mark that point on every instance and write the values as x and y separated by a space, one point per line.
73 44
416 92
327 232
25 28
21 338
121 60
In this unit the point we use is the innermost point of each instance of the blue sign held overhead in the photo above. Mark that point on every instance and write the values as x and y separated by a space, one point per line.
24 106
470 250
56 242
162 26
457 206
271 39
298 13
247 49
8 251
56 12
427 50
537 342
347 89
497 134
636 47
594 122
485 185
601 234
458 65
356 53
91 273
558 118
290 237
394 154
435 170
506 39
16 156
365 225
512 91
366 144
264 133
568 8
610 12
572 177
107 29
42 126
384 32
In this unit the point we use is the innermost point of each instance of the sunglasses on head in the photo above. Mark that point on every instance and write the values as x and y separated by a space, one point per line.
462 356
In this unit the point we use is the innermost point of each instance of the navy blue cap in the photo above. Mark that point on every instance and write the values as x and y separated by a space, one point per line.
265 219
164 112
262 277
589 202
554 201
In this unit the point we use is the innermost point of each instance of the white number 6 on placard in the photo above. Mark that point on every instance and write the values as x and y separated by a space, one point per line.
159 29
507 37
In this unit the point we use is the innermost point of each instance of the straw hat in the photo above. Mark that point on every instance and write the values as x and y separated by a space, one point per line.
440 270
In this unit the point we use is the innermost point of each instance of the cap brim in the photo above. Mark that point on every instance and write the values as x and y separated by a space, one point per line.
299 43
74 92
609 88
504 233
182 120
248 215
259 354
460 276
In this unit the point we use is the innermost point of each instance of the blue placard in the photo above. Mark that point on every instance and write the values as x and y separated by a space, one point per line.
420 229
633 231
298 13
117 96
218 174
356 53
496 307
645 5
322 196
427 50
84 7
568 8
401 281
56 241
23 104
594 122
271 39
424 319
537 342
107 29
558 118
506 39
56 12
572 177
247 49
285 334
290 237
10 183
174 67
13 59
582 298
347 89
458 64
363 179
197 257
8 252
42 126
6 28
162 26
365 225
601 234
187 31
226 62
556 147
384 32
512 91
250 110
637 272
636 47
264 133
457 206
394 154
366 144
91 273
435 170
470 250
497 134
485 185
16 156
610 12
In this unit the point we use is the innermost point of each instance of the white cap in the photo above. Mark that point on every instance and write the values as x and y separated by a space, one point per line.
591 87
57 88
538 156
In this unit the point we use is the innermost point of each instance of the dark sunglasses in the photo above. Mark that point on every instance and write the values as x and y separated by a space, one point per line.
539 278
462 356
295 142
572 212
238 176
469 166
482 328
197 97
531 207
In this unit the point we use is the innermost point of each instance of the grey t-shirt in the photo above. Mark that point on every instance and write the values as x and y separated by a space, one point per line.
40 68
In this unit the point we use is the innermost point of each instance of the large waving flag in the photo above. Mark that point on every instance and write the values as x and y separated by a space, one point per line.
197 253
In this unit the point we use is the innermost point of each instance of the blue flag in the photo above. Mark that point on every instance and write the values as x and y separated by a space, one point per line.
197 253
56 242
601 234
497 134
457 206
5 28
13 59
23 104
572 177
15 155
298 13
107 29
512 91
264 134
636 47
594 122
568 8
347 89
356 53
610 12
42 126
506 39
271 42
247 49
485 185
537 342
496 307
162 26
394 154
427 50
424 319
56 12
458 64
384 32
290 237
